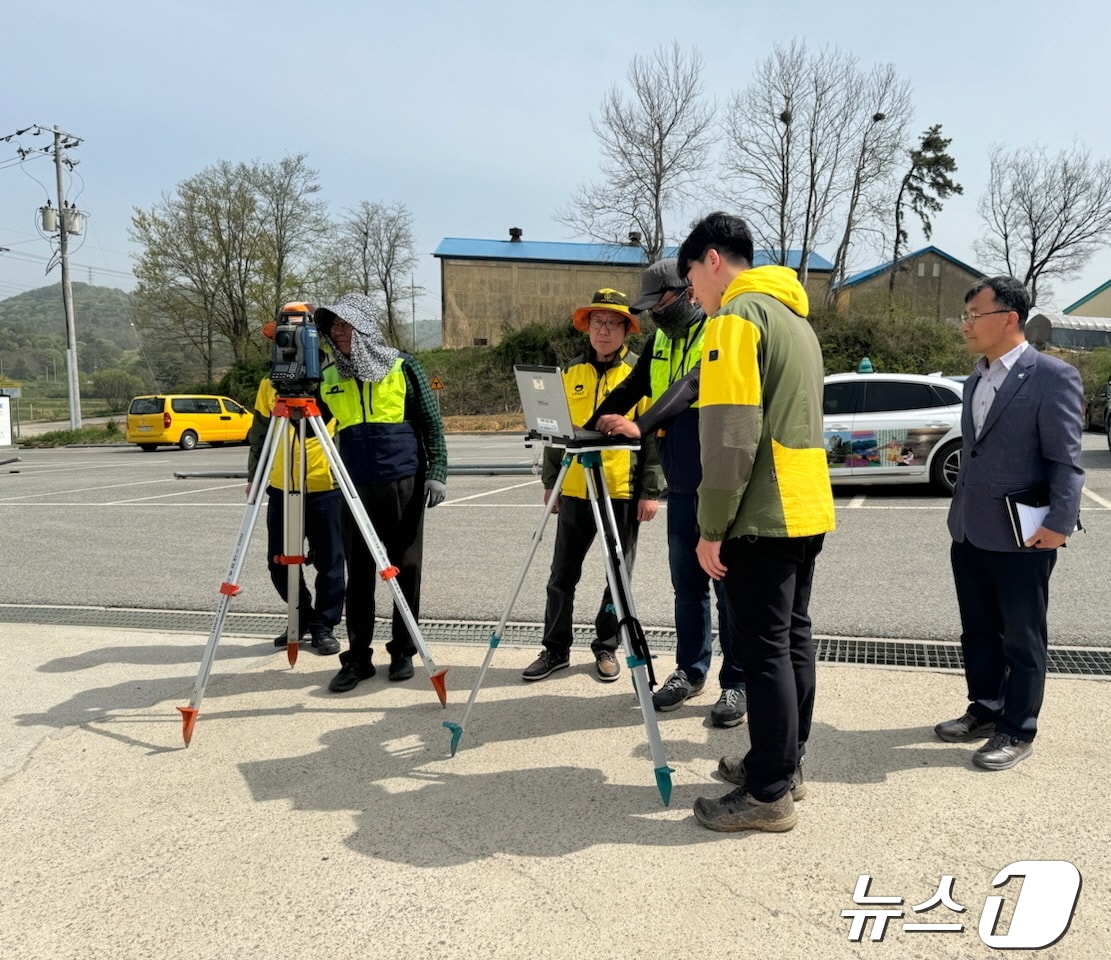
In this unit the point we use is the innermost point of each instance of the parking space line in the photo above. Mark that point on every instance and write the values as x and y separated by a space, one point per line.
110 486
1102 501
490 493
182 493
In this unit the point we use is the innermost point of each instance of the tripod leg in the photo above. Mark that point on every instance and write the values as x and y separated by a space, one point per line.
293 532
632 636
230 587
495 637
386 570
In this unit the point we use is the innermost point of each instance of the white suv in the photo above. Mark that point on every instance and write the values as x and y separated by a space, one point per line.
892 428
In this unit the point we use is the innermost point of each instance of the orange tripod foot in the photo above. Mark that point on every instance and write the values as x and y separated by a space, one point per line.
291 652
438 684
188 721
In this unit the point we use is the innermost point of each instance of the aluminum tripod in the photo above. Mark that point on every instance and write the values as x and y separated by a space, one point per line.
292 413
635 645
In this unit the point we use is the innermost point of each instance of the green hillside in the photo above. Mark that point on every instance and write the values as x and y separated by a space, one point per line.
33 331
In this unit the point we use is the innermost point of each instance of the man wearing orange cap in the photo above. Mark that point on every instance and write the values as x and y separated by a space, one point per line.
323 506
633 481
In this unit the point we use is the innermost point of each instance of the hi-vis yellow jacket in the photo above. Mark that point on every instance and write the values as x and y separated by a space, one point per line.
764 467
318 475
628 474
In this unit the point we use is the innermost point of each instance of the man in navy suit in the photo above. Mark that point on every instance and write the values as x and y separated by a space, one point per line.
1022 424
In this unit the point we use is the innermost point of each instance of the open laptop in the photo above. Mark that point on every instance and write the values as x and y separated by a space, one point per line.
548 415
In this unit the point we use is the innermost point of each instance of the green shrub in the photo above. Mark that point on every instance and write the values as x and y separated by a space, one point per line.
894 344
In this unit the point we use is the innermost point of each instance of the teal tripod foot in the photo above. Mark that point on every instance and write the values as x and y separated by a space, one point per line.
457 732
663 783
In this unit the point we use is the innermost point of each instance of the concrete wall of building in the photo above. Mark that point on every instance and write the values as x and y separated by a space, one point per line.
929 286
482 298
1097 306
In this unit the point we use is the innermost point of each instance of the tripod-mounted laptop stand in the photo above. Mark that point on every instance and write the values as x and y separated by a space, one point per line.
635 645
291 413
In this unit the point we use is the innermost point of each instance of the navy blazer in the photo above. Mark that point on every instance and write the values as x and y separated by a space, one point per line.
1031 438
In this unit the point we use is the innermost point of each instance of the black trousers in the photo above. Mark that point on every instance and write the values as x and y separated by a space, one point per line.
396 511
1003 599
324 532
767 589
575 532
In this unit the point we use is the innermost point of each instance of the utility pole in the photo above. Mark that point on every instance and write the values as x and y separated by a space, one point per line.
65 215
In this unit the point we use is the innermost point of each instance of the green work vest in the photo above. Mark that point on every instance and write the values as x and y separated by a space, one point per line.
674 359
376 442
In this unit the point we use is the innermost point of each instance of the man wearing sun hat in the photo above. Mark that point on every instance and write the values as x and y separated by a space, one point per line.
633 480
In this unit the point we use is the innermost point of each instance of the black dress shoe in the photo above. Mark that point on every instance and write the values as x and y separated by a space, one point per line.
401 668
1002 752
324 643
966 728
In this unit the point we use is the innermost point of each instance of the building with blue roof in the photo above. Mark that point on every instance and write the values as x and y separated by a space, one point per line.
490 286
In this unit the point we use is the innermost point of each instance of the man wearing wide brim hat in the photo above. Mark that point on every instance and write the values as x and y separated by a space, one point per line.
633 480
606 301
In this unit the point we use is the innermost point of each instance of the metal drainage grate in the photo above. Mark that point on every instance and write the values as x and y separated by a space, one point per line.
1065 661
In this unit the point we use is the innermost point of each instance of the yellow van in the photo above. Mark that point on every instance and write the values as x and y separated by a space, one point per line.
186 420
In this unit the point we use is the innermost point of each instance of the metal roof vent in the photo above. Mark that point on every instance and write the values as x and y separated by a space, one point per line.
515 234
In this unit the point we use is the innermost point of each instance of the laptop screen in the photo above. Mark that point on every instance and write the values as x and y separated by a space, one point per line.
544 401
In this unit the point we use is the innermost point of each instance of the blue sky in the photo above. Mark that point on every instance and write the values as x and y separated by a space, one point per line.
477 116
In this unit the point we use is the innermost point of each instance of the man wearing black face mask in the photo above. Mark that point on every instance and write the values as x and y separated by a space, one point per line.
668 373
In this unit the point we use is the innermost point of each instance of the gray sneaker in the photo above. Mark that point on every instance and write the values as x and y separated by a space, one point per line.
738 811
730 708
733 770
674 691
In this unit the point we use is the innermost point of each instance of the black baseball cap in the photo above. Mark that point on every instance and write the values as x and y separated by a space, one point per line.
658 278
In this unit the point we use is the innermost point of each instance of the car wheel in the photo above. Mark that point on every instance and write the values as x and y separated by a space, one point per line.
148 447
946 466
188 440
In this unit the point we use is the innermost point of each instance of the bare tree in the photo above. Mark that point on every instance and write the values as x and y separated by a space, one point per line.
220 252
790 180
654 147
373 251
881 135
295 222
1045 216
924 185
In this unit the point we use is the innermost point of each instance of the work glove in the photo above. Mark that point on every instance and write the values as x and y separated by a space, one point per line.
435 490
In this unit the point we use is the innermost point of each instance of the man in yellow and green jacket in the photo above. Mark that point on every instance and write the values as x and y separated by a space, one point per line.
764 505
633 480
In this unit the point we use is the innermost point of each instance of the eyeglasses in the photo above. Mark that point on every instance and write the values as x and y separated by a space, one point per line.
967 317
606 324
666 301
